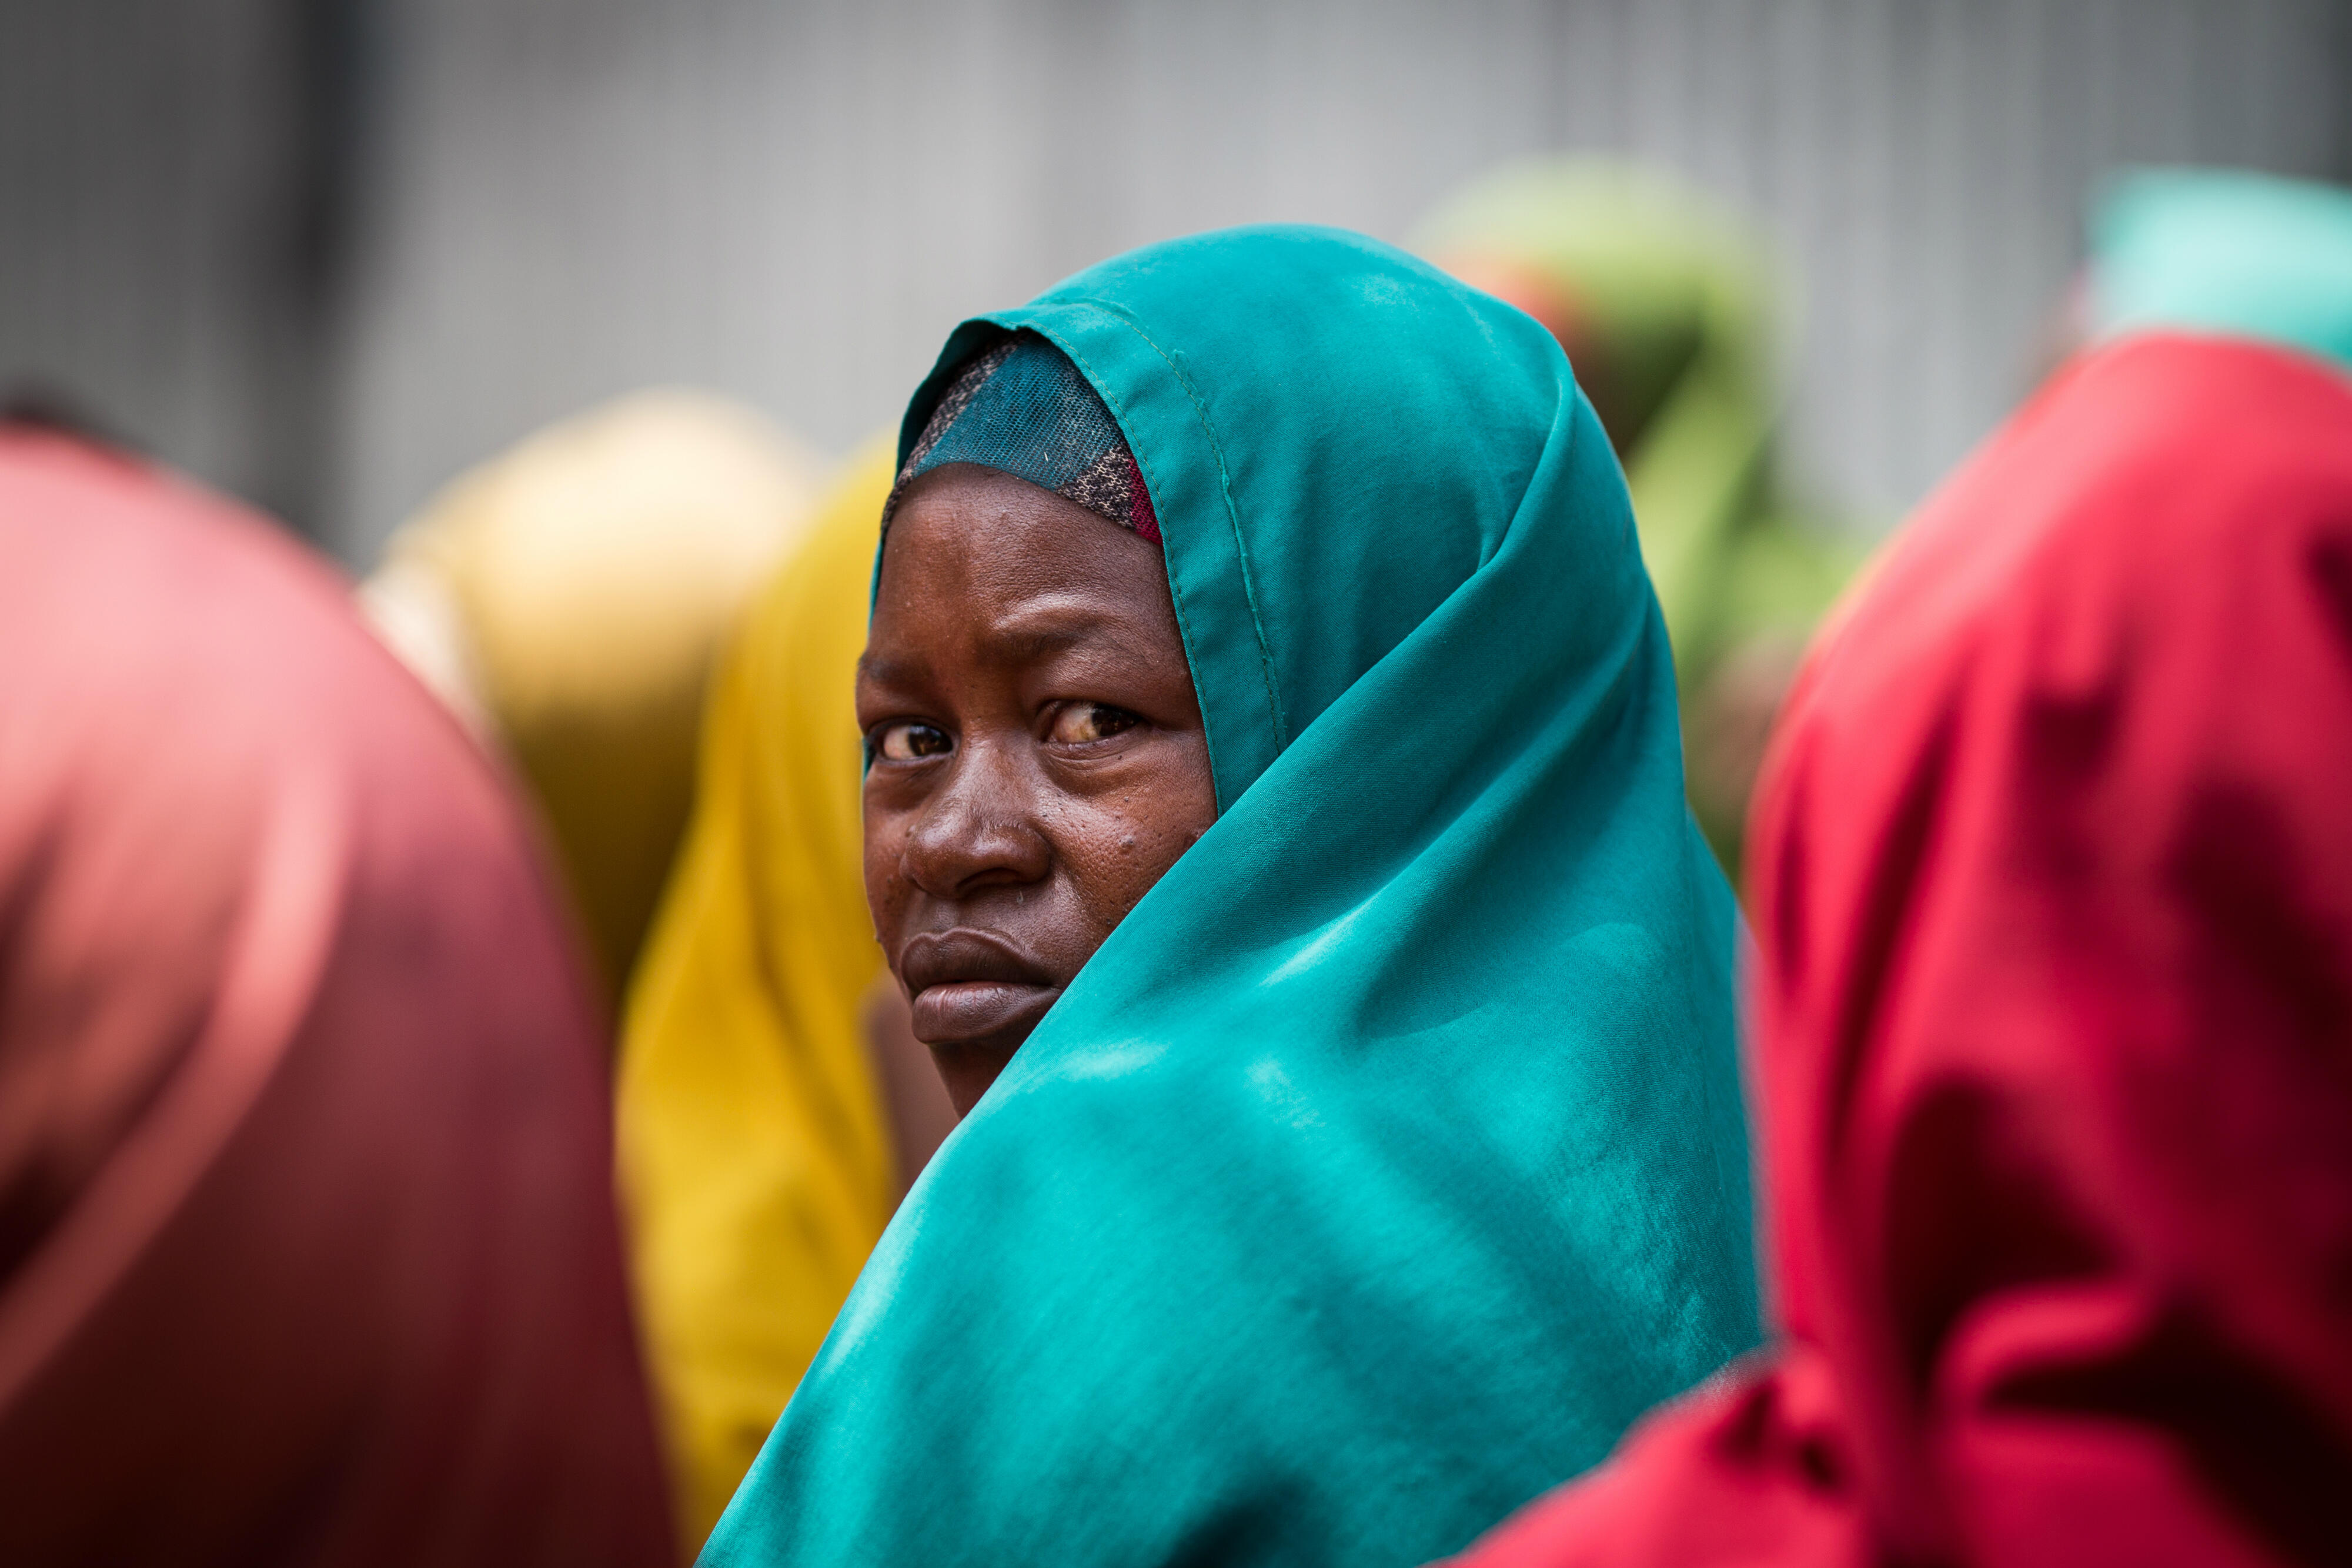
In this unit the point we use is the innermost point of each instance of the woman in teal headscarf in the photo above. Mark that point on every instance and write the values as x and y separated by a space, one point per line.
1664 300
1387 1157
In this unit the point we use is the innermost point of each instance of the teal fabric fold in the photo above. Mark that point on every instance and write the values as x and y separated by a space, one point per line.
1388 1159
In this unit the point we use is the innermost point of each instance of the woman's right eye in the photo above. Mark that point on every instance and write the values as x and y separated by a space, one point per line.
909 740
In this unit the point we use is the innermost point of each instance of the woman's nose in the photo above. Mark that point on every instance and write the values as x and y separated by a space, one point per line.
977 831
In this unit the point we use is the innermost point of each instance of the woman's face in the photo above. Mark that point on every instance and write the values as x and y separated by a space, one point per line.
1036 759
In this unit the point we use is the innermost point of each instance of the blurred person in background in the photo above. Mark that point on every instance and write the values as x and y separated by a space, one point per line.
568 599
2226 252
308 1251
571 599
2052 870
1273 806
1663 300
773 1102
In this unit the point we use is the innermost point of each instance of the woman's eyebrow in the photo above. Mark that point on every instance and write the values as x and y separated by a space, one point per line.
1013 641
1040 632
1102 646
889 672
1029 644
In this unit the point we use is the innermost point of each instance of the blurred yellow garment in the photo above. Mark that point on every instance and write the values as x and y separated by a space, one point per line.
755 1159
567 598
1664 301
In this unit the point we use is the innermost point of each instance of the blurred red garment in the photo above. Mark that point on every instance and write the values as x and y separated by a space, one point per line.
307 1247
2052 885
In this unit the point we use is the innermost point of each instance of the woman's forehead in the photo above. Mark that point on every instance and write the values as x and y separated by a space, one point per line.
988 533
980 566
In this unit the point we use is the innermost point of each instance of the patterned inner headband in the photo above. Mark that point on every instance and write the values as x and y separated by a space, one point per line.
1023 409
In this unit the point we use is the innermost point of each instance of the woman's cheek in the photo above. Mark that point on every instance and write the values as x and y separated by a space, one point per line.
885 887
1131 855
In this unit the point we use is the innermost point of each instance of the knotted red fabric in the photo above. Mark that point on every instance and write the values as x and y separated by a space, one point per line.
2052 892
307 1247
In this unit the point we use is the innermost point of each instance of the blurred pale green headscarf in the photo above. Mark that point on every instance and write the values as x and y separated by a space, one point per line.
1665 302
2223 250
1388 1159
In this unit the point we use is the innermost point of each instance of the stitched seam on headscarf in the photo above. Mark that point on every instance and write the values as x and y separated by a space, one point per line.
1225 490
1175 594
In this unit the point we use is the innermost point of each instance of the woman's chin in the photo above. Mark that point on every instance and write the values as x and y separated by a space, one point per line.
967 1068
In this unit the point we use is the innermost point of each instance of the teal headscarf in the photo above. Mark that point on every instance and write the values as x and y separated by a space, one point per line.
1388 1159
2223 250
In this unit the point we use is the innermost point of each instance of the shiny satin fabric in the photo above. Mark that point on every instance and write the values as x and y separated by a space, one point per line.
2053 881
755 1157
568 599
307 1253
1388 1157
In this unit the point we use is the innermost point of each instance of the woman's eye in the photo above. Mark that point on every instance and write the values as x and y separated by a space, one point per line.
906 741
1074 724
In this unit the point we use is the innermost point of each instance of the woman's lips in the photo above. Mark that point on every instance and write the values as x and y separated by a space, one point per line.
972 985
967 1010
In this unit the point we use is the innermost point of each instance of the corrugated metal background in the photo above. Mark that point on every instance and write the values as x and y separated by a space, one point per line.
563 199
164 230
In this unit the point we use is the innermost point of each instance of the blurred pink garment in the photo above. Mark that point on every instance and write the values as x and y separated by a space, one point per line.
307 1247
2052 877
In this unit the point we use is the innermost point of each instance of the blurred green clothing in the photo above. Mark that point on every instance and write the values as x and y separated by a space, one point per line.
1664 302
2225 251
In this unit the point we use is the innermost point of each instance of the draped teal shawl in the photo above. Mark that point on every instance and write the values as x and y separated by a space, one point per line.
1388 1159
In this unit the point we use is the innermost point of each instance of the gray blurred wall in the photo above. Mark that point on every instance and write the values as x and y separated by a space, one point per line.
168 219
560 199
